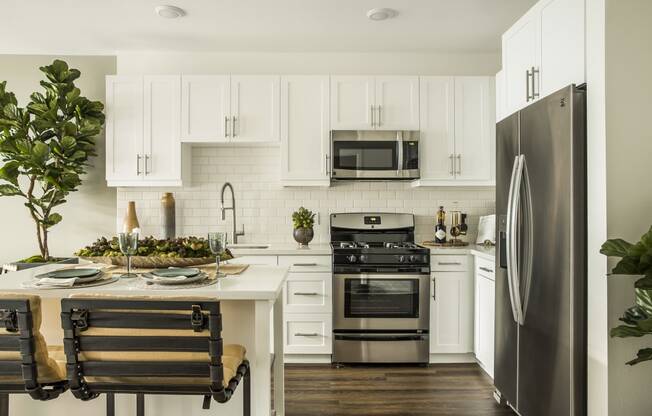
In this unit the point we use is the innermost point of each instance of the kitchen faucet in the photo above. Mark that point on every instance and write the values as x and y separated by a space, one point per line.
236 234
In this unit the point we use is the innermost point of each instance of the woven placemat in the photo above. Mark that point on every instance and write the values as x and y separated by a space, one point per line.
148 285
107 279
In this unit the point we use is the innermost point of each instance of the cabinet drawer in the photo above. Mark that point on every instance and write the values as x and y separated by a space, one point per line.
260 260
449 263
485 268
309 264
308 334
308 293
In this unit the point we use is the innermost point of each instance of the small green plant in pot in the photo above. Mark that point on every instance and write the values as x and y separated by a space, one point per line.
635 259
45 147
303 221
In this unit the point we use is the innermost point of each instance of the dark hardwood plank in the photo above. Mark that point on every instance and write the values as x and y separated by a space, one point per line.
437 390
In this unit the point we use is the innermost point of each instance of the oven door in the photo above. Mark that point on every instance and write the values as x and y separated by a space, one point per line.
371 155
381 302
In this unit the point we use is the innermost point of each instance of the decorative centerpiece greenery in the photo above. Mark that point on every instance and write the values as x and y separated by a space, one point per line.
635 259
303 221
45 146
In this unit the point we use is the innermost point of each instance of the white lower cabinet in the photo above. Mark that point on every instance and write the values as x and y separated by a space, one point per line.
308 334
451 305
308 293
484 314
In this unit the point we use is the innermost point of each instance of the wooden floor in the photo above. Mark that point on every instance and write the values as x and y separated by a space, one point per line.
441 389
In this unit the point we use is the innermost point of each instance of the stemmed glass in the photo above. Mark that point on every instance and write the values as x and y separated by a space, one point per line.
128 246
217 244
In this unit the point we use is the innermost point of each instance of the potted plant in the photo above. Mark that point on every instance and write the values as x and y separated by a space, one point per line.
635 259
303 220
45 147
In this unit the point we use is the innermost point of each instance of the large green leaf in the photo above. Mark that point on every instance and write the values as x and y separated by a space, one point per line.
624 331
644 354
9 190
627 265
9 172
52 220
40 152
616 247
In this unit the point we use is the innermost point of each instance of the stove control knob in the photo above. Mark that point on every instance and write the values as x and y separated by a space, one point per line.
413 259
351 258
363 258
401 259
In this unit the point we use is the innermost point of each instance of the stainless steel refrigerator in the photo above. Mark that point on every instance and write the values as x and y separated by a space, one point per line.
540 342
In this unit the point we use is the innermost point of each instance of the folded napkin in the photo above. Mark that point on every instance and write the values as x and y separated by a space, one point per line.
47 282
170 278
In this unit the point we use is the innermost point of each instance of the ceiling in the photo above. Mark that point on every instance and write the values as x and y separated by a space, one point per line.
112 26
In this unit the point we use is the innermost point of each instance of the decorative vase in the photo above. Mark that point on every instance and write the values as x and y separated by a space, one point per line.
130 222
168 221
303 236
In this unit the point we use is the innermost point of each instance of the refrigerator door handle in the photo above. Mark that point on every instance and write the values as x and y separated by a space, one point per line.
514 242
529 238
509 236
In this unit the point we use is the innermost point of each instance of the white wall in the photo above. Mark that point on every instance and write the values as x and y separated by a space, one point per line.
629 185
90 211
264 207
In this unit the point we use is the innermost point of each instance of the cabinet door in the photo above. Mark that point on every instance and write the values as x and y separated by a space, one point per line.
437 140
308 334
475 120
562 44
205 108
501 107
352 102
397 103
521 52
451 313
124 128
485 322
161 128
255 104
305 134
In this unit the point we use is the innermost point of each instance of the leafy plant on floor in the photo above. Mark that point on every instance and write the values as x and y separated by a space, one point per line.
46 145
303 218
635 259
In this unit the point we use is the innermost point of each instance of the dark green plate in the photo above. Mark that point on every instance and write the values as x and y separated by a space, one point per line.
176 272
70 273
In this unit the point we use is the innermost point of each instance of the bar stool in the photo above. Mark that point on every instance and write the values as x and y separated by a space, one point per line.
150 345
26 365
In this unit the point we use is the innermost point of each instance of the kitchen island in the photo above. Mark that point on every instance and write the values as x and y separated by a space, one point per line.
248 300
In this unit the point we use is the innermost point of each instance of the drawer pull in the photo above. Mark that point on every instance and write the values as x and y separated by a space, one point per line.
304 264
449 263
303 334
306 294
484 269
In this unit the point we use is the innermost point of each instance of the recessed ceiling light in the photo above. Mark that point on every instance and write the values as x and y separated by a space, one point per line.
381 14
169 12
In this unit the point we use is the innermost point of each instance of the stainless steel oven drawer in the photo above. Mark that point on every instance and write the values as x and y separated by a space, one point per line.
380 348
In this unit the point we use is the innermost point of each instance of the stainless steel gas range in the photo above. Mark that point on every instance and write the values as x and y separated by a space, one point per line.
381 289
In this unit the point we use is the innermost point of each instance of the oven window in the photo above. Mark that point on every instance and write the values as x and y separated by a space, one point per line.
365 155
381 298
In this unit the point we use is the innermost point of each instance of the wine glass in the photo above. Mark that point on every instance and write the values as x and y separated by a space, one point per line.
217 245
128 246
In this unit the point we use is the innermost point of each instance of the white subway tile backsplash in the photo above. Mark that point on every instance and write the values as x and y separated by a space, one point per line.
265 207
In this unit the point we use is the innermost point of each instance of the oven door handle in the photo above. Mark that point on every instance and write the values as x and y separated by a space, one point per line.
379 337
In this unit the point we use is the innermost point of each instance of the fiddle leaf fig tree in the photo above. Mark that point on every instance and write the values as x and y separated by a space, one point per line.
46 145
635 259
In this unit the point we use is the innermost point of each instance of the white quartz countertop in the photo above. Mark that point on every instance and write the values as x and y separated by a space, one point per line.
258 282
282 249
473 249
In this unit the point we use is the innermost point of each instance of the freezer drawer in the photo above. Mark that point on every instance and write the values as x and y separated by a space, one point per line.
380 348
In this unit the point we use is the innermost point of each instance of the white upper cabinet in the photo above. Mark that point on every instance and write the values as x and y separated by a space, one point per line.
521 55
223 108
562 44
543 52
352 102
474 128
457 142
162 147
397 103
437 140
305 131
205 108
124 128
501 106
255 108
375 103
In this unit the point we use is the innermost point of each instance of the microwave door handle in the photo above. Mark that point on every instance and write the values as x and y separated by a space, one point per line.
399 145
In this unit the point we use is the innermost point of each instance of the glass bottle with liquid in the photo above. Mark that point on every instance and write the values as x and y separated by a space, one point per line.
440 226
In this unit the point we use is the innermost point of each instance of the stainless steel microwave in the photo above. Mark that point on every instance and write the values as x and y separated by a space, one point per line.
373 154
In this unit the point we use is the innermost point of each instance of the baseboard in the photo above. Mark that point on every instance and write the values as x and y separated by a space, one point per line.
307 358
452 358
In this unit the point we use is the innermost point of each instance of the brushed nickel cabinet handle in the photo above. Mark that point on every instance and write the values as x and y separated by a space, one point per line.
449 263
302 334
306 294
484 269
527 85
147 157
452 163
235 131
138 165
459 164
378 123
328 158
304 264
372 116
535 90
434 289
226 126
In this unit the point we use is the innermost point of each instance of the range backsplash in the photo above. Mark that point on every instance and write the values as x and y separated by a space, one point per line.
265 207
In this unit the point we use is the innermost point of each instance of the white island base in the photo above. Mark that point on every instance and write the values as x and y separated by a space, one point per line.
247 300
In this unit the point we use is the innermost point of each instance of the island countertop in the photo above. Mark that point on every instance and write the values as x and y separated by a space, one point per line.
257 282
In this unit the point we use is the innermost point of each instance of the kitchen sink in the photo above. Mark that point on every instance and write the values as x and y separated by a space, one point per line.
245 246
